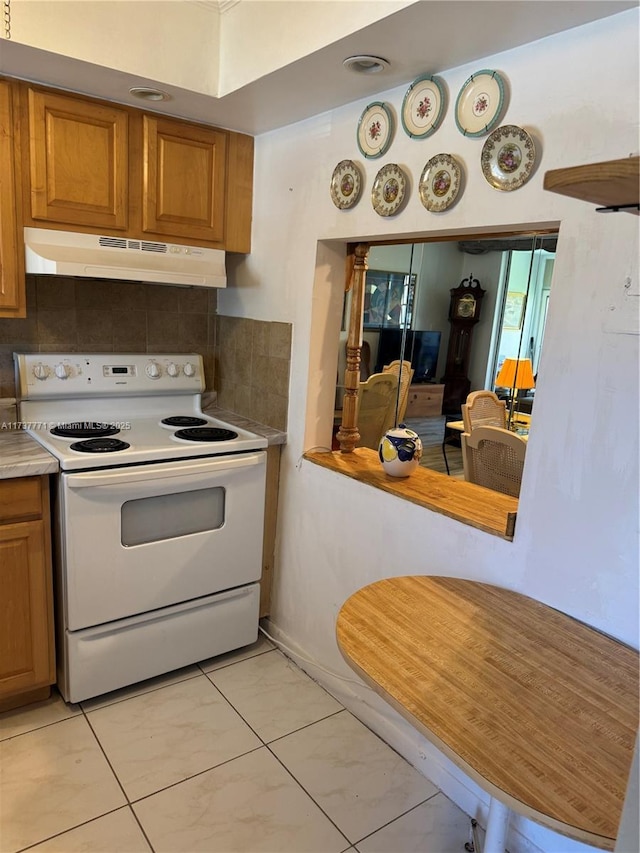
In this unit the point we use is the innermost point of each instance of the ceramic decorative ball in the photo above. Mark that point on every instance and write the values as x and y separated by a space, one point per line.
400 451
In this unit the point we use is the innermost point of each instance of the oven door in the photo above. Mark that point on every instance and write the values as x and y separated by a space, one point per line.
140 538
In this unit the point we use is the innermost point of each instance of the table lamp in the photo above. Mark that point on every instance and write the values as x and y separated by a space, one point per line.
516 374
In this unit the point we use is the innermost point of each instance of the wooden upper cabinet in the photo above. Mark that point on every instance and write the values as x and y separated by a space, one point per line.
12 292
98 167
78 161
184 171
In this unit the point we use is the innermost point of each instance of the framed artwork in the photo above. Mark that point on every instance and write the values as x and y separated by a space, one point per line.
388 299
513 311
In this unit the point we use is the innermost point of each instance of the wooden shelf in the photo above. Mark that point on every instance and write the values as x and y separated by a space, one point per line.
490 511
610 184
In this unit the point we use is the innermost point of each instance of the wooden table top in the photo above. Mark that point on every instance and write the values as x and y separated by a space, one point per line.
540 709
521 422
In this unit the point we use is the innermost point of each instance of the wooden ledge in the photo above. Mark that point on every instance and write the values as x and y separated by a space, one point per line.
485 509
612 183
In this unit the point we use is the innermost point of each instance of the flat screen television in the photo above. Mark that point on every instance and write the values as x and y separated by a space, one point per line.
421 349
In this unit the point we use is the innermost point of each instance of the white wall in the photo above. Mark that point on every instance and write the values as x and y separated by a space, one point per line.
440 267
261 36
576 542
219 52
140 37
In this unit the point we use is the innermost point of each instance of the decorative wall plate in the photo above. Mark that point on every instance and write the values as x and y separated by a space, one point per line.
423 107
479 103
508 157
375 130
439 183
346 183
388 190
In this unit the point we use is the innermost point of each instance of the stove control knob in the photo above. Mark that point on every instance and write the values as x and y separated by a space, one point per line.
173 369
153 370
62 371
189 369
41 371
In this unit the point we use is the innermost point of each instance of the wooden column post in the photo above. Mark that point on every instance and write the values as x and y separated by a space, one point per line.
348 435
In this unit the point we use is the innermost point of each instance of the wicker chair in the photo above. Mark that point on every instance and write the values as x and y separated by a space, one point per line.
483 408
376 404
405 382
494 458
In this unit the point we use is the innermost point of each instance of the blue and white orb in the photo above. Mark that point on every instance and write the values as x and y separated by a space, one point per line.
400 451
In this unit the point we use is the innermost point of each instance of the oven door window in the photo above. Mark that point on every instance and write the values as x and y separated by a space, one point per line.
171 516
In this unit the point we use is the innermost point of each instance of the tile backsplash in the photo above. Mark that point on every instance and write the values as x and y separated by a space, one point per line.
252 363
246 361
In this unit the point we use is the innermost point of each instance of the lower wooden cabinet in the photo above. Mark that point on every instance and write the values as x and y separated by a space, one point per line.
27 658
425 401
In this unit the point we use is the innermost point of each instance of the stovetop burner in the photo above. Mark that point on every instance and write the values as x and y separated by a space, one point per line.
183 421
100 445
206 434
84 429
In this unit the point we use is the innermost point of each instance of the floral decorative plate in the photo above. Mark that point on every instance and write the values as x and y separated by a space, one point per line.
423 107
508 157
375 130
346 183
388 190
479 103
439 183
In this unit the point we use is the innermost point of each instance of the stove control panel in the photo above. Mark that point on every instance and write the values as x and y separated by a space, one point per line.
105 374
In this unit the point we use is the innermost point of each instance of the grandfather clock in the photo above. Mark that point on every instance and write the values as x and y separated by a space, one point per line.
464 313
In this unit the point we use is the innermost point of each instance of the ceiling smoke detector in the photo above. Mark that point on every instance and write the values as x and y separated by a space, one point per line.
147 94
366 64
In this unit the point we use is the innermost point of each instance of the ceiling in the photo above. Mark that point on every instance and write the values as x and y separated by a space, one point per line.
428 37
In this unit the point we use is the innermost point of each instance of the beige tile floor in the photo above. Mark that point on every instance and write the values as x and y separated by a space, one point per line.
241 753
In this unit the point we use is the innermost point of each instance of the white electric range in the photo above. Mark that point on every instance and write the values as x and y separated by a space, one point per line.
159 513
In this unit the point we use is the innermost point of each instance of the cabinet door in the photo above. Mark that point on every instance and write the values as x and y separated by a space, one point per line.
184 173
26 649
12 283
78 161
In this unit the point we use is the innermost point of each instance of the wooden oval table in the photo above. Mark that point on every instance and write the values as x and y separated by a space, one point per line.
538 708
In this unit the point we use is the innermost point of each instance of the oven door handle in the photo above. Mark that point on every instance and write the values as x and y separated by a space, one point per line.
146 473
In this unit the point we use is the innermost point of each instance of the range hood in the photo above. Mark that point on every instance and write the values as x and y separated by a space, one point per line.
49 252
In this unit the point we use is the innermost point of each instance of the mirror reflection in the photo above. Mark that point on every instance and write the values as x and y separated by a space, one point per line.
450 319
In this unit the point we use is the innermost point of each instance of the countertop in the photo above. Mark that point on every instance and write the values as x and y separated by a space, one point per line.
273 436
22 456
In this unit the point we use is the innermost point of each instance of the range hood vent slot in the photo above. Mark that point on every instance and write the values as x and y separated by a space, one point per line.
113 242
